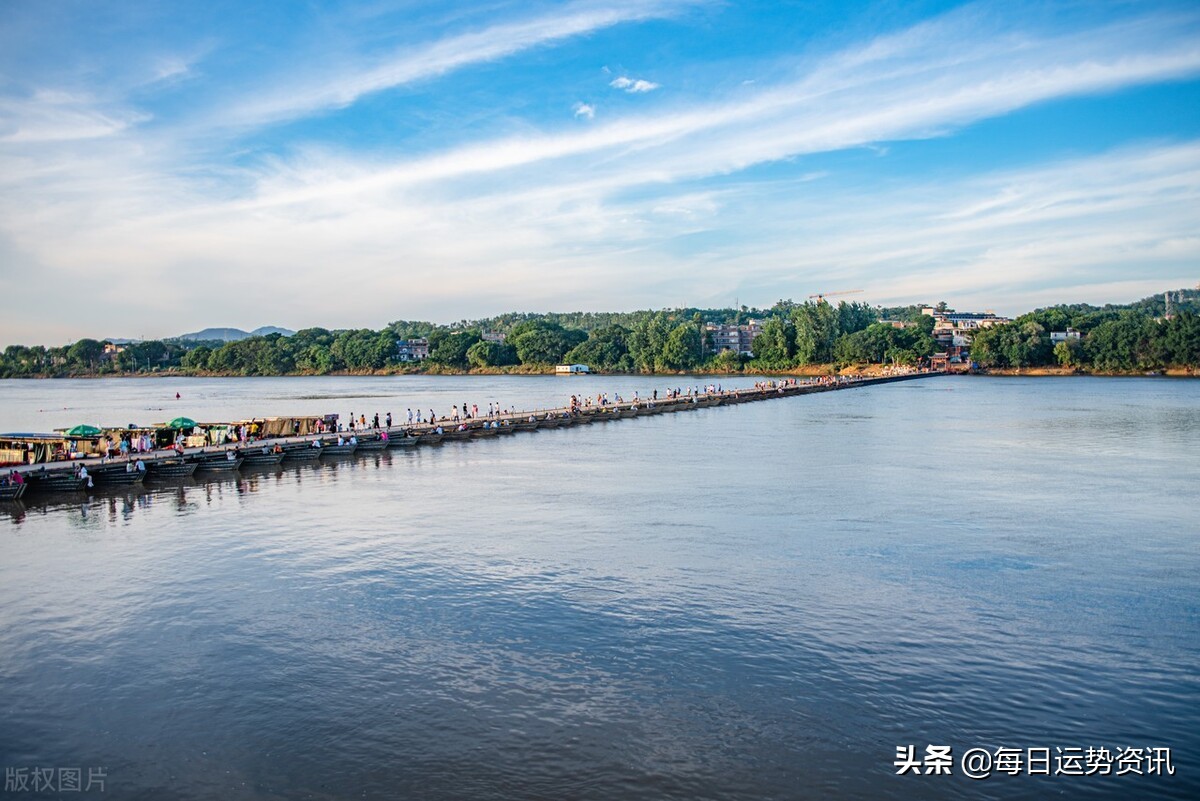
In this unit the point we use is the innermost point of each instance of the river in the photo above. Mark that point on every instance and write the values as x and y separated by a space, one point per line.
759 601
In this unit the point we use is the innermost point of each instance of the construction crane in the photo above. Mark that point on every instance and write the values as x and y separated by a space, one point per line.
820 296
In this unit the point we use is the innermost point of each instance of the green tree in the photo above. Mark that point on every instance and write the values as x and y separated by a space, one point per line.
1069 353
727 361
682 348
197 358
1181 340
85 353
854 317
816 331
450 348
604 349
544 343
491 354
774 345
647 339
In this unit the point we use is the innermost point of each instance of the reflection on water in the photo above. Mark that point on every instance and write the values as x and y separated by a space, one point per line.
760 601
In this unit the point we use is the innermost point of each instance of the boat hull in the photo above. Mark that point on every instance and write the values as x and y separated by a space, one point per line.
170 470
12 492
117 477
64 482
220 465
262 459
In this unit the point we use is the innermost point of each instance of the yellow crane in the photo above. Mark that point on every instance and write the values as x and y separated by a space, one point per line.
820 296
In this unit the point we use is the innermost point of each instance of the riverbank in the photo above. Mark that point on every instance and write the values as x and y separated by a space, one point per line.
806 371
1173 372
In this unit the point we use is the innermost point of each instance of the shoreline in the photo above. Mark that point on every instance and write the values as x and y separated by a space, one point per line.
808 371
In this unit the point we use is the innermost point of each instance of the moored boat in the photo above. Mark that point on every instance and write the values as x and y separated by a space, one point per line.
401 441
376 444
170 468
58 481
221 465
12 492
480 433
116 476
303 453
430 438
260 459
345 449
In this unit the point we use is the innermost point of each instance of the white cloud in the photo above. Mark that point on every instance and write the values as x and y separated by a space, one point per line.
294 98
633 86
944 84
619 213
57 116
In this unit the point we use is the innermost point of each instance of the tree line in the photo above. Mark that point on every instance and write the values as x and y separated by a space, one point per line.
1113 338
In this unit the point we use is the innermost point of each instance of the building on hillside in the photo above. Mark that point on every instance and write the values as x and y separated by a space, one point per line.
110 351
493 336
737 338
412 350
952 330
1063 336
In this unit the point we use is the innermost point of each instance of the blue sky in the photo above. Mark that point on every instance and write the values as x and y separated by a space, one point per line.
167 166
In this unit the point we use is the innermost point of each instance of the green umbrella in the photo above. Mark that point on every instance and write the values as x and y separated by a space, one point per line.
182 422
83 431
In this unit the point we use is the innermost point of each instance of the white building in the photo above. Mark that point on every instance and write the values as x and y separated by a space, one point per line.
1063 336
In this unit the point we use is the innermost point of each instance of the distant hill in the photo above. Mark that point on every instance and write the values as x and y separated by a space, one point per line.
233 334
267 330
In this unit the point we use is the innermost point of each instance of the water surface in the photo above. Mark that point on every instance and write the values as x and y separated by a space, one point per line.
758 601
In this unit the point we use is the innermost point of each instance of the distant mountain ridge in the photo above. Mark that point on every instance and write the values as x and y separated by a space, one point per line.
233 334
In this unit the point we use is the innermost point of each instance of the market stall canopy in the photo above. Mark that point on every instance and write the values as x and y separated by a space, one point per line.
182 422
83 430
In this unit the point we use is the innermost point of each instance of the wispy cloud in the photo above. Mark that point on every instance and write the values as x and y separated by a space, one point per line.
57 116
633 85
624 210
924 90
410 64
